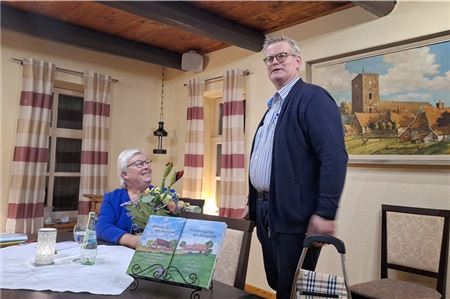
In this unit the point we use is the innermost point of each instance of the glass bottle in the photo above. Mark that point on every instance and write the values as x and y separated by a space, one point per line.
89 245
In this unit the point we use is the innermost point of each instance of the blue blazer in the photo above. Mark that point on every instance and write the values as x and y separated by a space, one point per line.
309 160
113 221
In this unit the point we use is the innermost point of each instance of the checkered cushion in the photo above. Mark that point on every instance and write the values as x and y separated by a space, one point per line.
310 282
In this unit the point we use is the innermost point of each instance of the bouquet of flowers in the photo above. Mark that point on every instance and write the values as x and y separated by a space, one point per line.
157 200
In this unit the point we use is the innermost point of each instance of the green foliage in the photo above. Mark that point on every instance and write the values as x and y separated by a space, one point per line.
161 200
393 146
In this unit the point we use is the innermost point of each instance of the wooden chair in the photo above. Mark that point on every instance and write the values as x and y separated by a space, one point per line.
95 201
195 202
414 240
231 267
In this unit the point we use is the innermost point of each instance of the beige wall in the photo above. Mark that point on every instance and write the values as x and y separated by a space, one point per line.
136 96
134 106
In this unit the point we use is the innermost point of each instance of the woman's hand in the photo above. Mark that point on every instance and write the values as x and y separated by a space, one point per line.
130 240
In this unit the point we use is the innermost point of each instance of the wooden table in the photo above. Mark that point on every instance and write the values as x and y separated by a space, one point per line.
67 226
145 289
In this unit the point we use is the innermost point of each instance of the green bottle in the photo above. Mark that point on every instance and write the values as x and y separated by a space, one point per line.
89 245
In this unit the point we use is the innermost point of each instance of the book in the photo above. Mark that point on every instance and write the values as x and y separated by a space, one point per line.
188 258
156 247
13 237
196 254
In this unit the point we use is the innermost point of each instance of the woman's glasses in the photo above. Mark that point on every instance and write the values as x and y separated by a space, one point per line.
140 163
280 57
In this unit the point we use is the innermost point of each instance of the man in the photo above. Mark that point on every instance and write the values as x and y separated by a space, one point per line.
297 166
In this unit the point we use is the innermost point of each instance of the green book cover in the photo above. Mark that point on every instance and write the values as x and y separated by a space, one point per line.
156 247
196 253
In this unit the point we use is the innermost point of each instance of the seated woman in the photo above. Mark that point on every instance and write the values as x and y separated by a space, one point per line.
113 223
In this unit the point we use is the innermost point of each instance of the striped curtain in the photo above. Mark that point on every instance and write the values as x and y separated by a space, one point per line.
195 141
233 189
94 151
31 151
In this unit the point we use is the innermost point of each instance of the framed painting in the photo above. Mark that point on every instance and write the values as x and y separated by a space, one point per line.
394 100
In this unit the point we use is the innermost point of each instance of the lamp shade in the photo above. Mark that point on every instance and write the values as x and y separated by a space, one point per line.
160 133
45 247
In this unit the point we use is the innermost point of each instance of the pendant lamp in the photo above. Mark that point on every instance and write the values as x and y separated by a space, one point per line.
160 132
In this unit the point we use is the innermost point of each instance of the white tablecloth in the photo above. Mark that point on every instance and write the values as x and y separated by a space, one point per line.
108 275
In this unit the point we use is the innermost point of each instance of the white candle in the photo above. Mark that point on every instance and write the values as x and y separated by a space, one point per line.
45 247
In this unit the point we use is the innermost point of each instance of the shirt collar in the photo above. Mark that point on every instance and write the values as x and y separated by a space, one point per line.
284 91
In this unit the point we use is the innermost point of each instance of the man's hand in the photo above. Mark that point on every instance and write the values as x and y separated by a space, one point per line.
319 225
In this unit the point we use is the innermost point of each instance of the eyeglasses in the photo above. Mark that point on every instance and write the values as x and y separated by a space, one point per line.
140 163
281 57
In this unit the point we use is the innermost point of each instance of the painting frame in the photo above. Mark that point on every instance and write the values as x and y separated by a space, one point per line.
386 160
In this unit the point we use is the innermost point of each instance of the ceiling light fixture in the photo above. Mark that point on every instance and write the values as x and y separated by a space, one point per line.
160 132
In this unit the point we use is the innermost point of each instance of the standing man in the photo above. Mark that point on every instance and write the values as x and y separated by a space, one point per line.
297 166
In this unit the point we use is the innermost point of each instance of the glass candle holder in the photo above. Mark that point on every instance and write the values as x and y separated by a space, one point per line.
45 247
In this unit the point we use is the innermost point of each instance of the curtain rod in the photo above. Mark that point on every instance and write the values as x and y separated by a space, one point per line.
244 73
63 70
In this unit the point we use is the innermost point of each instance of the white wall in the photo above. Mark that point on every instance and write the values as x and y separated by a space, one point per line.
359 217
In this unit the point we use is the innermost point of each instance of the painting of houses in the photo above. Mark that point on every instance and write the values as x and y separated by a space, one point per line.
393 104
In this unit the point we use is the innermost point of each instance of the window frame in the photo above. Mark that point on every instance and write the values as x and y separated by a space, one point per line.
71 89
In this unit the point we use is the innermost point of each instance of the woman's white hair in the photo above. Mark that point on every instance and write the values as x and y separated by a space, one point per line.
122 162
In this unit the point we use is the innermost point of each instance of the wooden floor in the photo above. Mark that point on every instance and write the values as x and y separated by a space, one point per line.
260 292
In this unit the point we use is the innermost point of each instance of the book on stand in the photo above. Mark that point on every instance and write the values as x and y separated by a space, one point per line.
155 249
178 250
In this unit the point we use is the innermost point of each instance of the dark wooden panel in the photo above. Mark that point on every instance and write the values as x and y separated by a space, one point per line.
50 28
269 16
262 16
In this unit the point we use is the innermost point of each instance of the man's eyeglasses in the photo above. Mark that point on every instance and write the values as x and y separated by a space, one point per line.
280 57
140 163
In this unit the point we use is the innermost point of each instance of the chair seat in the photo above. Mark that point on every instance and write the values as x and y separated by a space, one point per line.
393 289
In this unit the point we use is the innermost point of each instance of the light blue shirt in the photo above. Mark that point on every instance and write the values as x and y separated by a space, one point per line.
261 159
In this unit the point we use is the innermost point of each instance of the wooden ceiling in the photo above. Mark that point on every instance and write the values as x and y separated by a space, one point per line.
160 32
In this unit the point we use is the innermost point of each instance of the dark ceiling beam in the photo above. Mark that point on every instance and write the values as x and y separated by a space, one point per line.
49 28
195 20
378 8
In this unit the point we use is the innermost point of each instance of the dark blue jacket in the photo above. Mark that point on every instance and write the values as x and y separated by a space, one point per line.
309 160
113 221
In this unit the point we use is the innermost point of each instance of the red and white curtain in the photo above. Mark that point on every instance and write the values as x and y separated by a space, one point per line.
195 141
94 152
31 151
233 190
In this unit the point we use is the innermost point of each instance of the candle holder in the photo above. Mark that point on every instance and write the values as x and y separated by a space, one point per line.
45 247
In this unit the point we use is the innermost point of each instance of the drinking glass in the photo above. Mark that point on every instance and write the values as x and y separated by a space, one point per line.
79 230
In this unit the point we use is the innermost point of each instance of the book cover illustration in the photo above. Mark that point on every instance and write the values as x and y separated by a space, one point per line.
156 247
196 253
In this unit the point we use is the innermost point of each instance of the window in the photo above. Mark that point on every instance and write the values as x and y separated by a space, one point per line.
63 170
213 111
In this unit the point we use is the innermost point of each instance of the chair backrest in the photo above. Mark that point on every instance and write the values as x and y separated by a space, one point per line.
95 201
195 202
231 267
415 240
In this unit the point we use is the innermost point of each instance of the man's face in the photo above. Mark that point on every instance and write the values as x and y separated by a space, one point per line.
281 73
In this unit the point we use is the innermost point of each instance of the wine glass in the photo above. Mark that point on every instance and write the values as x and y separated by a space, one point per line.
79 230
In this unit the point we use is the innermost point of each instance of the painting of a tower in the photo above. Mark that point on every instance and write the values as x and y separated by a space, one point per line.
365 93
